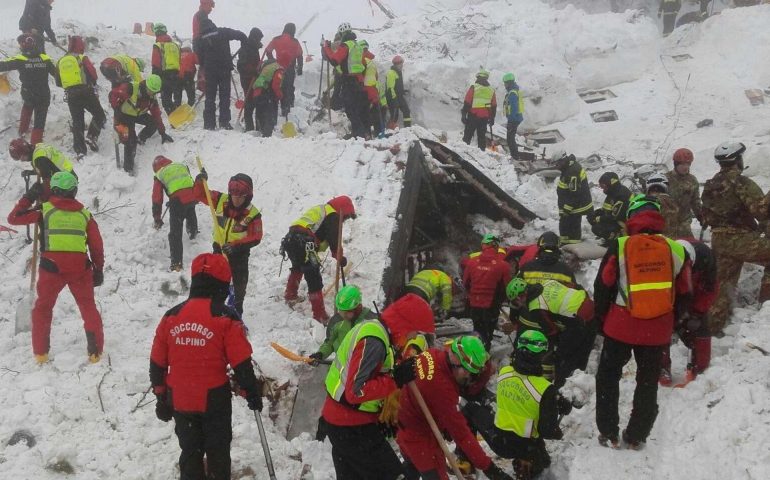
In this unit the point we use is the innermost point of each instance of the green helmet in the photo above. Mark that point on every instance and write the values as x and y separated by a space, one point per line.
153 83
641 202
532 340
515 287
348 298
508 77
482 74
470 351
140 64
64 181
159 28
490 239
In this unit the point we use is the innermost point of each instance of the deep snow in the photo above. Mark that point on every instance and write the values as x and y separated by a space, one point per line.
714 428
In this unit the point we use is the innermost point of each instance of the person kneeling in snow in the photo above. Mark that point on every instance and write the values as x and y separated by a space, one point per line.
193 346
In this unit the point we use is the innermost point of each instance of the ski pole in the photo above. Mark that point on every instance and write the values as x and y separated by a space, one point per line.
26 174
265 447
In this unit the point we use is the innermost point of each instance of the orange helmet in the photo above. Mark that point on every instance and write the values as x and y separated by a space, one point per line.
344 206
19 149
683 155
398 60
160 162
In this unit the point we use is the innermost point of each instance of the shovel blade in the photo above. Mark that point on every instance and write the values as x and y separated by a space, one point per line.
5 85
24 314
289 130
181 116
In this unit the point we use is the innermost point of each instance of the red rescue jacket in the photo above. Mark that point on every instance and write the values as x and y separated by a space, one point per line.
485 277
122 93
187 64
183 196
285 49
254 230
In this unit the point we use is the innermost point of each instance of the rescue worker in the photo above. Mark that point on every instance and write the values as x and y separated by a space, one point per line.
396 94
122 68
691 325
528 409
441 373
194 343
287 51
564 315
479 109
166 62
77 76
216 64
375 94
485 277
36 20
487 241
134 103
349 56
656 186
186 81
199 18
248 69
67 232
608 223
685 191
669 9
315 231
238 229
362 375
46 161
644 278
266 92
174 179
34 68
432 285
350 312
520 255
513 107
573 195
732 206
548 264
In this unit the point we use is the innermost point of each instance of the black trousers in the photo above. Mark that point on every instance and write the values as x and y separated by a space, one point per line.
403 106
82 99
208 433
239 265
570 229
185 84
266 110
484 322
614 356
168 90
362 452
477 126
287 87
669 21
303 260
356 104
148 131
217 83
178 214
510 138
36 105
573 347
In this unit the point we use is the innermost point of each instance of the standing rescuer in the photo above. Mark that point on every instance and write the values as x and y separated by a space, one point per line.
573 195
685 191
68 231
174 180
193 346
513 107
166 61
479 109
287 51
396 94
608 222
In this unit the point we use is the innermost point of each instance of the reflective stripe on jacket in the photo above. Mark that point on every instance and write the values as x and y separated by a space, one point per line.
518 402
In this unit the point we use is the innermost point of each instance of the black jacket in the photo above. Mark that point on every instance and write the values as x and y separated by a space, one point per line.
37 15
248 57
547 266
214 48
572 191
33 72
608 222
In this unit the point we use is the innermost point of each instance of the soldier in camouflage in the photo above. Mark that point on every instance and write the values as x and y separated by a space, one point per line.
685 191
732 205
656 186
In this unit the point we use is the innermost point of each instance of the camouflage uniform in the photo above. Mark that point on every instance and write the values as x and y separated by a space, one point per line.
732 205
685 191
670 212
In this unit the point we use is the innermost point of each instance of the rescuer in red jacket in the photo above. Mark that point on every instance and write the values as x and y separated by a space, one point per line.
193 346
288 52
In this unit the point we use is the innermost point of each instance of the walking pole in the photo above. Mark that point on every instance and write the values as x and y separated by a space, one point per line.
436 433
265 447
329 89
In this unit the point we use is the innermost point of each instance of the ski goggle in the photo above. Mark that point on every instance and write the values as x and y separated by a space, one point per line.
238 188
534 346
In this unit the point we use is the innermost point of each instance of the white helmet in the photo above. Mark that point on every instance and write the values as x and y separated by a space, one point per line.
729 151
344 27
558 154
656 180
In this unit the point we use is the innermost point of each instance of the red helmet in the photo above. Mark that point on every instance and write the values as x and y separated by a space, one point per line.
216 266
27 43
397 60
19 149
683 155
77 45
240 185
160 162
344 206
207 3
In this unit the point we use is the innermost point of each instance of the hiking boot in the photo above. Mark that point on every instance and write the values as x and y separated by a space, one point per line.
665 377
609 441
41 359
690 373
630 443
175 267
92 143
94 357
225 126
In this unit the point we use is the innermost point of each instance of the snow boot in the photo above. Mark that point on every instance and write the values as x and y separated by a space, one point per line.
41 359
701 353
24 119
630 443
175 267
225 126
319 309
609 441
665 377
36 136
292 285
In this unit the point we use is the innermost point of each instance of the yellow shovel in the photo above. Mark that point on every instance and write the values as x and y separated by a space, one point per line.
183 115
289 130
5 85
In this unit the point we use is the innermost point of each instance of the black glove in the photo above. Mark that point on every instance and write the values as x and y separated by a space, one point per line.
343 261
230 249
34 192
98 278
202 176
254 401
163 410
166 138
317 357
563 405
404 372
493 472
388 430
157 224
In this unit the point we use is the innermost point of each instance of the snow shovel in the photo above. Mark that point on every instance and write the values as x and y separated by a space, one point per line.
184 114
265 447
24 310
308 57
289 130
295 357
5 85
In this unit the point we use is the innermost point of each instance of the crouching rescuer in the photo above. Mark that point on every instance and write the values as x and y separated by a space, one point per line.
193 346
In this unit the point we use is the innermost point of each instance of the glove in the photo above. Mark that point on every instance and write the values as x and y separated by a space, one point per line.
230 249
254 401
98 276
34 192
388 430
158 224
343 261
202 176
404 372
163 410
389 413
317 356
563 405
493 472
166 138
464 118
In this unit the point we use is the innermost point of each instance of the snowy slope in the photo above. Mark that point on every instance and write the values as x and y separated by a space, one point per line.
715 428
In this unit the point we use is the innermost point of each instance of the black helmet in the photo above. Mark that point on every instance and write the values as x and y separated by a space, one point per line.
609 178
549 242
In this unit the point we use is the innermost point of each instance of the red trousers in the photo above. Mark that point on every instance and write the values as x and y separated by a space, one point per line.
424 453
81 285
